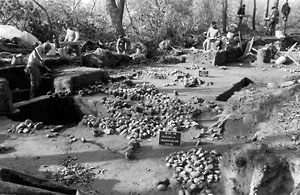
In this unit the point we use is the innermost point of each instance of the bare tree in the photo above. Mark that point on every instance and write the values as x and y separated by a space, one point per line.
225 7
254 15
241 3
267 11
115 9
276 3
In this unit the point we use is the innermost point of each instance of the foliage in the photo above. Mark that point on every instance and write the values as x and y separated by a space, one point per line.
148 21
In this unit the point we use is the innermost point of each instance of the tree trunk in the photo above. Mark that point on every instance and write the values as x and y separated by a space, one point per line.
254 15
115 11
50 23
225 7
241 3
267 11
276 3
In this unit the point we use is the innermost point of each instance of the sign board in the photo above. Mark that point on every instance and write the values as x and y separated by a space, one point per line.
169 138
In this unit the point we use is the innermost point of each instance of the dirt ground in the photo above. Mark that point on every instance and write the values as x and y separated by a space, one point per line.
35 154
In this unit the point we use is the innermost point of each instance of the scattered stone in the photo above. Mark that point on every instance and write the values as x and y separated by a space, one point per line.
26 127
195 167
72 172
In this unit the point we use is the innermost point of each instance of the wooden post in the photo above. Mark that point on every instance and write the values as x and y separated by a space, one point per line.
267 11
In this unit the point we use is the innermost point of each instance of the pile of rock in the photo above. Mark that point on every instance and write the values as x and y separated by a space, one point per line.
132 149
195 169
144 119
28 126
133 93
70 171
91 90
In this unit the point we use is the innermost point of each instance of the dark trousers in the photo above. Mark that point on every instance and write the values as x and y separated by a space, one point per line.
240 20
34 73
271 26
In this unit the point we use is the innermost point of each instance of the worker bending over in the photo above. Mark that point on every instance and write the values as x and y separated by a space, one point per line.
34 65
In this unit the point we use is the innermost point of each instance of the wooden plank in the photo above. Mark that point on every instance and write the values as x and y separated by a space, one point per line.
289 56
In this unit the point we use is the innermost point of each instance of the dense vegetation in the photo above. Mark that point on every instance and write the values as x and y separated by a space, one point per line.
144 20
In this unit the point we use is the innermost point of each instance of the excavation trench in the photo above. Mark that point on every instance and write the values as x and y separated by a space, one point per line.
55 110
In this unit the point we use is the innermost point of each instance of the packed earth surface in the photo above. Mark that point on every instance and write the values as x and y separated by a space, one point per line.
247 145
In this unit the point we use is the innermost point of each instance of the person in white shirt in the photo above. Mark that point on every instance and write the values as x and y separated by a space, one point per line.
72 34
34 65
212 35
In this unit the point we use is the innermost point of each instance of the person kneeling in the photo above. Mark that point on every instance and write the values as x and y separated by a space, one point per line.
212 35
123 45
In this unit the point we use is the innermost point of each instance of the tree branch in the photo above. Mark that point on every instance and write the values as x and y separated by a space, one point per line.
8 19
75 6
94 5
49 21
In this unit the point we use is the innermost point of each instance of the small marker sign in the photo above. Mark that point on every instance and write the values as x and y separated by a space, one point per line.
169 138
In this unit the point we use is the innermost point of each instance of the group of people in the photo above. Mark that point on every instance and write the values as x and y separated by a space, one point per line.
36 66
214 40
273 19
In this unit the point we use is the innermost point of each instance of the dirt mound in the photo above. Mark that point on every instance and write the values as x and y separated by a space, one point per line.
262 111
260 169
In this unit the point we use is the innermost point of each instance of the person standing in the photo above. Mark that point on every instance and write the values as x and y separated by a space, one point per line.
241 13
273 21
285 10
34 65
72 34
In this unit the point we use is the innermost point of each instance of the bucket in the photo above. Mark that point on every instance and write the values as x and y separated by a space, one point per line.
279 34
281 60
62 52
6 103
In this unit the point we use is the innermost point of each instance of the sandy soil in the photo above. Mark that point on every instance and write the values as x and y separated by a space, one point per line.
35 154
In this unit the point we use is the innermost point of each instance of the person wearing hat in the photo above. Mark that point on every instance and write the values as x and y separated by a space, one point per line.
241 13
34 65
273 21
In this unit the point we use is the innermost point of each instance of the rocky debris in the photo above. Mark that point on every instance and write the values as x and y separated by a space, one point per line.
133 147
132 92
192 82
172 59
153 113
52 135
104 58
165 44
70 172
91 89
195 170
5 149
163 185
260 168
158 73
28 126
